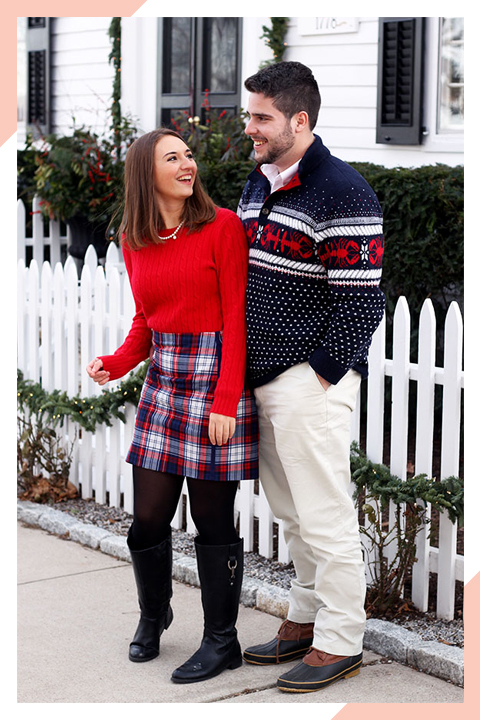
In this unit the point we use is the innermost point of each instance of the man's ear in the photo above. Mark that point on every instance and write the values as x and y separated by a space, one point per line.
300 121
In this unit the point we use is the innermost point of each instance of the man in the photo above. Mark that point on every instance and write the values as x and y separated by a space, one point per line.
313 303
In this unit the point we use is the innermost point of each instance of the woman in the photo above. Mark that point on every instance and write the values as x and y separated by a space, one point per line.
187 264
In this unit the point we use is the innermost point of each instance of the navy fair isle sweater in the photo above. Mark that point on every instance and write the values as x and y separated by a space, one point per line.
315 261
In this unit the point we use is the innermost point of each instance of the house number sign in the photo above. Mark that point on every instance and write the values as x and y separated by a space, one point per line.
327 25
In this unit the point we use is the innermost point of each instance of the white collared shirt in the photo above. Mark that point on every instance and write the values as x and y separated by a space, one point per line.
278 179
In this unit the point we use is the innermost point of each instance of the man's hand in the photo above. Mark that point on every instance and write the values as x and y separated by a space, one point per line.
324 383
220 429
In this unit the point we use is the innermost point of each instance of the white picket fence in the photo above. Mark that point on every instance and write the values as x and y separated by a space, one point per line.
64 322
54 240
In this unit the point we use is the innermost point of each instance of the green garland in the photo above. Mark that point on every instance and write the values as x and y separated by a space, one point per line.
115 57
376 480
88 412
373 479
275 38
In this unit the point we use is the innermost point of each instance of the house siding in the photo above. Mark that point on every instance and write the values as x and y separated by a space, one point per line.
345 65
81 74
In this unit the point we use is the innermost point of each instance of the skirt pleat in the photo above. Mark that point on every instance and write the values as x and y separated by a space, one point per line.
171 425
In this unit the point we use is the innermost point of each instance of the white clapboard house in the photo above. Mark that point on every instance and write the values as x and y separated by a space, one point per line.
392 88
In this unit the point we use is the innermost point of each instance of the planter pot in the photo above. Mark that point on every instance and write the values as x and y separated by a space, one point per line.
84 233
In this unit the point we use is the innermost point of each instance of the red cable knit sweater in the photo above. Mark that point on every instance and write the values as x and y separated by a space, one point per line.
195 283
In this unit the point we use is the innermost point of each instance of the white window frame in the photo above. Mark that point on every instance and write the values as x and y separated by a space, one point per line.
435 141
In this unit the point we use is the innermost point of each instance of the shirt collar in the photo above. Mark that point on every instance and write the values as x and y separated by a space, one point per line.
316 154
276 178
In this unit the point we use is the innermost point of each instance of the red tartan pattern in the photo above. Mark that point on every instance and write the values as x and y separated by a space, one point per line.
171 426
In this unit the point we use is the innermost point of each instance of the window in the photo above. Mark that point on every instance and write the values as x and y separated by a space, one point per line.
450 113
443 109
198 54
177 60
220 37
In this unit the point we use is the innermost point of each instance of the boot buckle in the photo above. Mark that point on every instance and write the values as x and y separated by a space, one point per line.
232 566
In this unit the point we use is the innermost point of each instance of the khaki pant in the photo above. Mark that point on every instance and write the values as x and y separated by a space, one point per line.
305 472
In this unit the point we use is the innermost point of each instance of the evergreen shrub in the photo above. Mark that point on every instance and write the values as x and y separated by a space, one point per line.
423 226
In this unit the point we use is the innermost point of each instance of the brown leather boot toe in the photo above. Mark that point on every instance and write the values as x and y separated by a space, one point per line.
292 642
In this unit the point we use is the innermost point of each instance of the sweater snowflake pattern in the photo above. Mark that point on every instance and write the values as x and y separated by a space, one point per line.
315 259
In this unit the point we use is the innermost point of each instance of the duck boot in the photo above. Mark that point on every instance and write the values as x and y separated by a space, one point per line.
220 569
318 670
152 569
293 640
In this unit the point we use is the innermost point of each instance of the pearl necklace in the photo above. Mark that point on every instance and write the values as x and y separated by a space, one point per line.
174 234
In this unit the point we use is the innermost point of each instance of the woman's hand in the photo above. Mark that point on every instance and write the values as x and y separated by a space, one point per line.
94 369
220 428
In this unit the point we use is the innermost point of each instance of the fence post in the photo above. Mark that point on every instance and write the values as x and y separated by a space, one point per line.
376 395
283 551
265 522
86 339
59 365
375 428
245 499
112 259
71 317
113 322
91 260
33 323
22 274
86 383
46 325
127 468
55 242
401 370
37 231
451 414
99 349
424 444
177 521
71 279
400 382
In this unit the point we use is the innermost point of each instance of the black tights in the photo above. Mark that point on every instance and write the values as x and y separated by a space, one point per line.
155 500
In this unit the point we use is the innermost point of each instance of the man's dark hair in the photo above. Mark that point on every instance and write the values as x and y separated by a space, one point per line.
291 86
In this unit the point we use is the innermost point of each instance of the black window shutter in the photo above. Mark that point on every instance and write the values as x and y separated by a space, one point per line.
38 68
400 81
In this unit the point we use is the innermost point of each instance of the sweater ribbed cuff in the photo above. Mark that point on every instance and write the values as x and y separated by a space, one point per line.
225 404
328 368
117 367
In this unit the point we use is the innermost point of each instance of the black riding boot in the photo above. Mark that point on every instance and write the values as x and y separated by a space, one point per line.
220 568
152 569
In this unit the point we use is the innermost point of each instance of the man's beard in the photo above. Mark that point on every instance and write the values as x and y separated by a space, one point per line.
279 146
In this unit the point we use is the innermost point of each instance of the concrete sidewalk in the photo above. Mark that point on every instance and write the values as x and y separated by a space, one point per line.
77 611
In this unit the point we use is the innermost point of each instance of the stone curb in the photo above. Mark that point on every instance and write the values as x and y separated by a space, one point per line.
385 638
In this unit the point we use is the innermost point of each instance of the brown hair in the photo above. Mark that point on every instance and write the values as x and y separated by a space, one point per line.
291 86
142 219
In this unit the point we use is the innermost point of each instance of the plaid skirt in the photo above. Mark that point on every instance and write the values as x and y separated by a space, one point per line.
171 425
